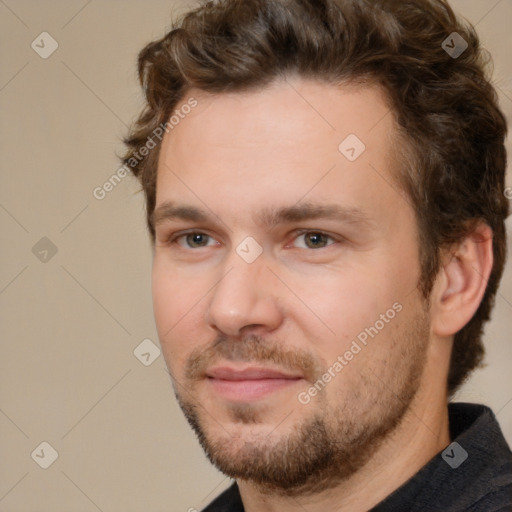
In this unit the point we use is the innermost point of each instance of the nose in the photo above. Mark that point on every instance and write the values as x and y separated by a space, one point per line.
246 296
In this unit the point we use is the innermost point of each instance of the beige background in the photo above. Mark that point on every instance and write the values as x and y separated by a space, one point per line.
69 325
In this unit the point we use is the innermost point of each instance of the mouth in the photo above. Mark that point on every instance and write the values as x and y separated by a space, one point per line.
250 383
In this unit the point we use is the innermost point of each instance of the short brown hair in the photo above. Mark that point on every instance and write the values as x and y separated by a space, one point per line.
446 110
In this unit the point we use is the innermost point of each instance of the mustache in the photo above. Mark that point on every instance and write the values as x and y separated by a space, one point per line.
251 349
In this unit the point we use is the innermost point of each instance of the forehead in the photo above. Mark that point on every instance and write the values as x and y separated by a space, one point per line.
280 140
294 108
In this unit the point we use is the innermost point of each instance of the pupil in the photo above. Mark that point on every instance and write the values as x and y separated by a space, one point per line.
315 237
196 238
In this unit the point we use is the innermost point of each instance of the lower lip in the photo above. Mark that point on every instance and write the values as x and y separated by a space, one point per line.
249 390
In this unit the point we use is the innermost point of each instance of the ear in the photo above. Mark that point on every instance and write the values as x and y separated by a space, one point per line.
462 281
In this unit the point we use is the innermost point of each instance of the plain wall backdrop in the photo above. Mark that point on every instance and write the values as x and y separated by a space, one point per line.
75 293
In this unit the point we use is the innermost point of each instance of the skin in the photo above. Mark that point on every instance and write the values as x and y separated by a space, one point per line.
305 299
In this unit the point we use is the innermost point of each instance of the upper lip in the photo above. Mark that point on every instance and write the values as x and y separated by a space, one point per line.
249 373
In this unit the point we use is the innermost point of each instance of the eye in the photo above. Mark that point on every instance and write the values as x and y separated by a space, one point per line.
314 239
192 240
197 240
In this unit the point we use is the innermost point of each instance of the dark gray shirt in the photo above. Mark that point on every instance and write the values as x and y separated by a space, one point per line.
473 474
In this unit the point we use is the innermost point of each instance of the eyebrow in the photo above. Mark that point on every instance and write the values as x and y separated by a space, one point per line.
268 217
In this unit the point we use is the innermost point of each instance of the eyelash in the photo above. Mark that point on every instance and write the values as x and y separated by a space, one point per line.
174 239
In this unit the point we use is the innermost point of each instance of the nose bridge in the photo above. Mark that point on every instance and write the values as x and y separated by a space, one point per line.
244 295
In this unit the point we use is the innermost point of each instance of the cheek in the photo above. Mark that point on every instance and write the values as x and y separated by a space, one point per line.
344 303
174 296
164 303
176 308
339 300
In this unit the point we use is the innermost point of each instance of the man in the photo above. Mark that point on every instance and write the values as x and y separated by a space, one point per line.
325 194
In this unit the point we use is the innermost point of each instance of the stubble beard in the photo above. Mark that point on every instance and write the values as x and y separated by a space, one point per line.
329 445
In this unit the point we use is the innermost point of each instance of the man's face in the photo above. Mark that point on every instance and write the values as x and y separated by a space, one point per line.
253 309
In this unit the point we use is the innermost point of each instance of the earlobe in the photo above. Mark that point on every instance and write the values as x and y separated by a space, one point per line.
462 281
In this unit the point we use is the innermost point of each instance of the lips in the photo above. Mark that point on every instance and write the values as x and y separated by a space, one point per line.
251 373
250 383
